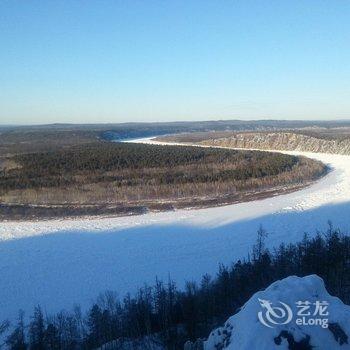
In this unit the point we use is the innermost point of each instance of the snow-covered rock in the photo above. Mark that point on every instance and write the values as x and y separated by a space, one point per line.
271 319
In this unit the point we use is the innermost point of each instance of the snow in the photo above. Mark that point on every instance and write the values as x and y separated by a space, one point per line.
145 343
244 330
58 263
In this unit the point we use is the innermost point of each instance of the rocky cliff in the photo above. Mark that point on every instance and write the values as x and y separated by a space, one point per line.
284 141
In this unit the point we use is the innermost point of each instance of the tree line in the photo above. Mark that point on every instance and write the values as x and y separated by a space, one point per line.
173 316
93 161
117 178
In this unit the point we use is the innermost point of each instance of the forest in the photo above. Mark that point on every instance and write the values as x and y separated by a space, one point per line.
104 176
170 316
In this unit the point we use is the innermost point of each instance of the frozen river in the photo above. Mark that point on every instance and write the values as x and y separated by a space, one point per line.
58 263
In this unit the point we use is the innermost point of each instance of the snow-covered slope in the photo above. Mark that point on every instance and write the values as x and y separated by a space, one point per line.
245 331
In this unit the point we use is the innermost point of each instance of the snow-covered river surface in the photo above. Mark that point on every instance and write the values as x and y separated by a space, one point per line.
58 263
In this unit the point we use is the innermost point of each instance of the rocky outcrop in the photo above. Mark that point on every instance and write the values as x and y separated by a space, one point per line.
273 319
284 141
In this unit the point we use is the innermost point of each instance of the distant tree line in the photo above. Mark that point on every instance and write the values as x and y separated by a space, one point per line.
174 316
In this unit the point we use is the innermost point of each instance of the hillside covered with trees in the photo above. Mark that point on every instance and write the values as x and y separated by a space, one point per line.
319 140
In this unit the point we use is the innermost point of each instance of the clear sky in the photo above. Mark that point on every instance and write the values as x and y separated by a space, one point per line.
115 61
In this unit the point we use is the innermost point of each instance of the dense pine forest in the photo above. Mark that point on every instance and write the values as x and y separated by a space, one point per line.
105 177
171 316
55 169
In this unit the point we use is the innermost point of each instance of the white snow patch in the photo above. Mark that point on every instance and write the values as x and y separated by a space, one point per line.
244 330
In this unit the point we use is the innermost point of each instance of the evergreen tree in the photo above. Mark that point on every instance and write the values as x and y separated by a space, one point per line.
16 340
37 330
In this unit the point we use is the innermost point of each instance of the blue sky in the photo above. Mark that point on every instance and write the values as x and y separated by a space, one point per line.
117 61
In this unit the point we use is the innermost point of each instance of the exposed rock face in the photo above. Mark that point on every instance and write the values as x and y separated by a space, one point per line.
284 141
282 330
